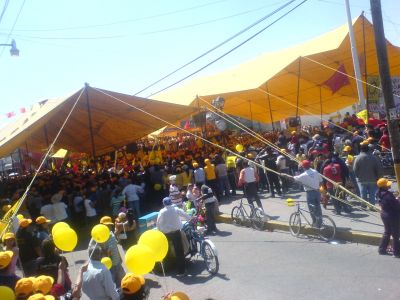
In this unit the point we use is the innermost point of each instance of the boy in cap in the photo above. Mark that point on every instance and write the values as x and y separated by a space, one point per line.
6 279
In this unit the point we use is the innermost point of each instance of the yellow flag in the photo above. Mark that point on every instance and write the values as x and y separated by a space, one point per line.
363 115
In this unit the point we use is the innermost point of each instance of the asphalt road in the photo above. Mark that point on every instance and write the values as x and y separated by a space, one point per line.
274 265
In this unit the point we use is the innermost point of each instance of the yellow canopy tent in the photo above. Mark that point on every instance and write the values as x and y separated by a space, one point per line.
291 76
113 123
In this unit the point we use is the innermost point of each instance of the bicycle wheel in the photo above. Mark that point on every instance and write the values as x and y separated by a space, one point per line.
237 216
257 219
210 257
295 224
327 230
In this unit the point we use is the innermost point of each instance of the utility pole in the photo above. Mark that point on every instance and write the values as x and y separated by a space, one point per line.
386 82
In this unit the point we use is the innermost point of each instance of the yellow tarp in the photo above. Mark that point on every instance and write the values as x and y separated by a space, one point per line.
244 86
114 123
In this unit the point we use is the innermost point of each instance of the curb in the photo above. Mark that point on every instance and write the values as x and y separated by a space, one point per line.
354 236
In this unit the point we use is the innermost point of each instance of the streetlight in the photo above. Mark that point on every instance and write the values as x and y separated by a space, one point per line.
14 50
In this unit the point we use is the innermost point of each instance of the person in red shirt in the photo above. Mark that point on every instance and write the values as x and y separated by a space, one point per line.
385 141
333 172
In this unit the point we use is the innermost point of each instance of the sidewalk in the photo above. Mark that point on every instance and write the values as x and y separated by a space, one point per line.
358 226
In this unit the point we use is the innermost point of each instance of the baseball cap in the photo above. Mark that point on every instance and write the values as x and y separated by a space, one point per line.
179 296
195 165
25 222
43 284
41 220
305 164
41 297
5 258
347 148
24 287
167 201
294 132
106 220
383 182
365 142
131 283
8 236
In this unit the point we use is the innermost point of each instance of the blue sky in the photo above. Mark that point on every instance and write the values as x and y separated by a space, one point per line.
126 45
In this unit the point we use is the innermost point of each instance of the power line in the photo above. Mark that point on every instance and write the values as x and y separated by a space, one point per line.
217 46
231 50
13 26
209 21
4 9
128 20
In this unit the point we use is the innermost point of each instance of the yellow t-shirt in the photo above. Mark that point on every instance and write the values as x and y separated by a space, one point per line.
210 172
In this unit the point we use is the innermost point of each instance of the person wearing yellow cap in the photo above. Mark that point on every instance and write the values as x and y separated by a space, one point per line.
40 296
133 288
211 178
10 245
42 228
199 175
29 247
5 278
390 215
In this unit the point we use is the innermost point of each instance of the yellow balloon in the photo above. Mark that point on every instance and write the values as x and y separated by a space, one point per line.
20 217
65 239
107 262
139 259
179 296
100 233
156 241
239 147
58 226
6 293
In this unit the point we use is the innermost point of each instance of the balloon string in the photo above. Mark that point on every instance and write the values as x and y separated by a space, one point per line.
164 277
95 245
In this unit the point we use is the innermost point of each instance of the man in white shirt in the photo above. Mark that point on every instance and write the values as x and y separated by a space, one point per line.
131 192
47 210
311 180
97 280
169 222
91 215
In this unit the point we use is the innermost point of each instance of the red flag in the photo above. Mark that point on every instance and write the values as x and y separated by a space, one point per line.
22 110
338 80
10 114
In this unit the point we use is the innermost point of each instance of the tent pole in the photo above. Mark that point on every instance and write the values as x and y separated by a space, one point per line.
270 109
360 90
90 120
365 65
298 89
27 154
251 116
46 137
320 102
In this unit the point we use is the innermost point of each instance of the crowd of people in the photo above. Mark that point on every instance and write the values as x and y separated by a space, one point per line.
183 174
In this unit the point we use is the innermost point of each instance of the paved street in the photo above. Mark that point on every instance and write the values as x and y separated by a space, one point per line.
274 265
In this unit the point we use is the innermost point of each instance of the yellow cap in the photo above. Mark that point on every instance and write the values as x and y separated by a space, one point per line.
25 222
347 148
43 284
8 236
5 258
383 182
24 287
131 283
41 220
106 220
41 297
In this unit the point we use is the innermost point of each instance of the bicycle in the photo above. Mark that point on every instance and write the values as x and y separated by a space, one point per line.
326 230
201 245
240 215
